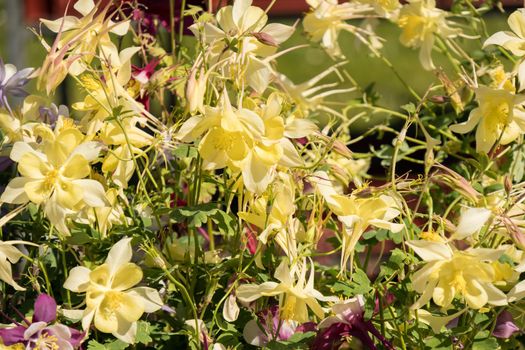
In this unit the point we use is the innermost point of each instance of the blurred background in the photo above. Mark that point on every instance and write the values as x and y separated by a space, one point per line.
18 45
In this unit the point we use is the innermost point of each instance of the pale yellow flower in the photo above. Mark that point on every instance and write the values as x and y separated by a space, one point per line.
111 301
496 118
274 216
308 96
421 21
56 176
327 18
103 218
256 41
513 41
251 139
296 293
107 93
447 274
128 140
385 8
356 214
84 36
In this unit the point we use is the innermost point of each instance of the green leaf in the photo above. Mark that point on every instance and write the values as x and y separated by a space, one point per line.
114 345
409 107
143 332
195 215
360 284
78 238
225 222
186 151
485 344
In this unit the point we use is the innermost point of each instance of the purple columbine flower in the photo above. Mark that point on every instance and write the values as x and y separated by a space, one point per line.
41 333
270 327
12 82
50 114
505 326
348 321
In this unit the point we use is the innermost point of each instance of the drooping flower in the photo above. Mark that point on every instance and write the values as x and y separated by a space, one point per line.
277 224
128 140
9 254
448 274
43 332
296 293
112 301
356 214
421 21
103 218
309 97
495 118
348 320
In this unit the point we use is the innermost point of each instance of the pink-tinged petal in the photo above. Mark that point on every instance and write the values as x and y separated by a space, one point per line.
34 329
505 326
45 309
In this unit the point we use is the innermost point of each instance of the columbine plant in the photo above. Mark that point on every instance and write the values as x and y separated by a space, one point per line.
193 195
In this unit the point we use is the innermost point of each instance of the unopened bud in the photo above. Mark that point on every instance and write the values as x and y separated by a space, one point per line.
341 148
439 99
508 184
265 38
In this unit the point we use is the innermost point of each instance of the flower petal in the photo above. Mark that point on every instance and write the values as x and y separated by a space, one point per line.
119 254
78 279
45 309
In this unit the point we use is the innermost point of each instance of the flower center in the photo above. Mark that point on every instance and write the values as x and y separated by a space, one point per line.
112 302
288 310
499 112
46 341
225 143
50 179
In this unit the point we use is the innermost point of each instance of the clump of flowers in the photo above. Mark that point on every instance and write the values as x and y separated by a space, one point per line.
193 193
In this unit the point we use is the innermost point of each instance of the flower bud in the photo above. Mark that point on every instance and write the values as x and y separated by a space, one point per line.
195 90
265 38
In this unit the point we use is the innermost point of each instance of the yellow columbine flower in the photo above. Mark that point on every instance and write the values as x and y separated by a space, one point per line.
296 294
356 214
275 217
496 118
103 218
9 254
270 149
56 177
421 21
111 302
513 41
449 273
327 18
246 25
86 35
385 8
128 140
